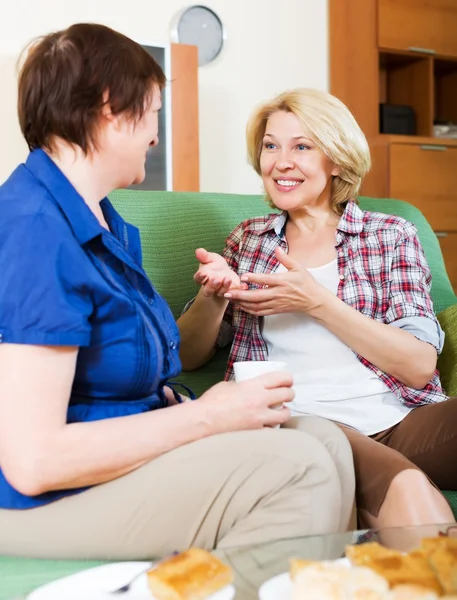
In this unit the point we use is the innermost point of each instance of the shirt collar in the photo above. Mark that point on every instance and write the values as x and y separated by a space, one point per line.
352 220
275 222
81 219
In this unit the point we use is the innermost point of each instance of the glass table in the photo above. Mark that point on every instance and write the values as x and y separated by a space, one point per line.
252 565
256 564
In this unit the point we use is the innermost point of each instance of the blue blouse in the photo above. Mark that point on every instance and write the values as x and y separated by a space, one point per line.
67 281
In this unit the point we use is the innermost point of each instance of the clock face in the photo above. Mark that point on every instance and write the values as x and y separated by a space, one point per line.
201 27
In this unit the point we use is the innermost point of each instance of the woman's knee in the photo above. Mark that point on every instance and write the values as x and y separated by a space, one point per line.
397 509
406 482
305 452
327 433
413 483
320 477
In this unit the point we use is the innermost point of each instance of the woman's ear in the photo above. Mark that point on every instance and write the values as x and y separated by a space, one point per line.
108 118
336 171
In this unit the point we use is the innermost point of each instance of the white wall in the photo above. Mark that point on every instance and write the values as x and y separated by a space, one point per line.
272 45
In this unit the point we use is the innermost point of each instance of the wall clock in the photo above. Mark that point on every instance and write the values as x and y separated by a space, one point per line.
200 26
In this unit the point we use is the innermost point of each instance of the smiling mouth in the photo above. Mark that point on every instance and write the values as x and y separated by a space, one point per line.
288 184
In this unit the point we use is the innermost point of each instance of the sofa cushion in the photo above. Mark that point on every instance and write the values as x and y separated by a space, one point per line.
174 224
447 361
451 497
202 379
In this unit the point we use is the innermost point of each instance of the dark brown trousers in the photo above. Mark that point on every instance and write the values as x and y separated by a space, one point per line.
426 439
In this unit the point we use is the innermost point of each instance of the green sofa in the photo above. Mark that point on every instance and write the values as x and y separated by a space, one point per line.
172 225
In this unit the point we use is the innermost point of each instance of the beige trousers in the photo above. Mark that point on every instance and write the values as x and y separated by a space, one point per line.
341 454
233 489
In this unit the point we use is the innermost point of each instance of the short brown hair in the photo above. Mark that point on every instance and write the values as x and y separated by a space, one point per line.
332 127
68 76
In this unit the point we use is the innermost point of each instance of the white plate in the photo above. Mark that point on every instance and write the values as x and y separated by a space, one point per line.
96 583
280 587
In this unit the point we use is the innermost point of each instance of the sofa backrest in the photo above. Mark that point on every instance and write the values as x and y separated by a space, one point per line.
174 224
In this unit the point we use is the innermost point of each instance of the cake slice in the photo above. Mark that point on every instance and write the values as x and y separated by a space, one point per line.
443 561
191 575
364 554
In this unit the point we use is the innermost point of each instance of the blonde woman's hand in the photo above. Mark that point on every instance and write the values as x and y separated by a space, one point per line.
214 274
296 290
230 406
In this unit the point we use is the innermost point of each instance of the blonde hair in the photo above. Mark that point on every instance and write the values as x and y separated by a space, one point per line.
331 126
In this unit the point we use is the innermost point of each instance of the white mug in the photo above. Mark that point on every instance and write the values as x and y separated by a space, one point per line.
252 368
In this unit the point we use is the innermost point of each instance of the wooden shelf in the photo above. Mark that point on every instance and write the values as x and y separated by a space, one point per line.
419 54
403 52
417 140
445 89
407 79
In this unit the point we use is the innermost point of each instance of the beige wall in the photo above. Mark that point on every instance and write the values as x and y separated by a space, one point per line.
272 45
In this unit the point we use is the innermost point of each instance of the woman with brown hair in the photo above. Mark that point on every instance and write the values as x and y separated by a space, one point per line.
99 455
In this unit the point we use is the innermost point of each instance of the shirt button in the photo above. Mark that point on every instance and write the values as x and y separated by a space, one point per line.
150 301
173 345
341 277
378 373
341 254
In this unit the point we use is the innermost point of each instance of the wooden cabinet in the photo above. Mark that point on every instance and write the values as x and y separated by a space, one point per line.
404 54
408 80
426 175
418 25
445 89
399 52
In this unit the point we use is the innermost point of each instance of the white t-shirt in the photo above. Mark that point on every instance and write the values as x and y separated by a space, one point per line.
329 380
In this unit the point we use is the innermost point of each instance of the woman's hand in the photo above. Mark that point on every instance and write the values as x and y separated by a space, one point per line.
171 399
293 291
230 406
214 274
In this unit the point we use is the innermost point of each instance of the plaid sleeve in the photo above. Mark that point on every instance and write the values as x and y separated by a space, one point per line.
410 303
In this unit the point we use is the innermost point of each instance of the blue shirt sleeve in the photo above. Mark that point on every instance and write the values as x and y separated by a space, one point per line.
44 296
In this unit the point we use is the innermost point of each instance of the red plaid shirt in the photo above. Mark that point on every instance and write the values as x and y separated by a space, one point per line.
383 274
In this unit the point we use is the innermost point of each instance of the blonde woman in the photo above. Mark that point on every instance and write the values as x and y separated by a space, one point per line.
343 296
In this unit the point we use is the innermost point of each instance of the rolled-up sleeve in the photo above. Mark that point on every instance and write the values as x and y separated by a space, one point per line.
410 303
44 297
